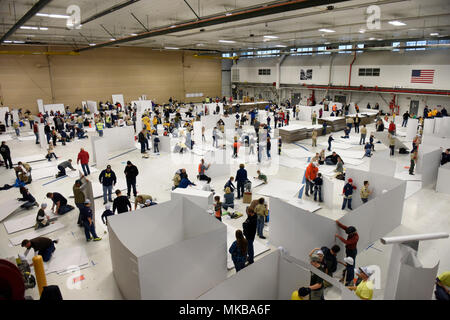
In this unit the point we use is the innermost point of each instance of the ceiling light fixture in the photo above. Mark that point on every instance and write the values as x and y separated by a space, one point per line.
17 41
112 39
7 41
56 16
171 48
227 41
371 38
326 30
362 30
271 37
43 28
172 26
397 23
92 44
29 28
434 34
280 46
228 14
133 34
326 43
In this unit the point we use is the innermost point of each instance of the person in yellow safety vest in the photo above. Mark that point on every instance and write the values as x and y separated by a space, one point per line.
434 112
99 127
430 114
364 290
155 121
300 294
108 121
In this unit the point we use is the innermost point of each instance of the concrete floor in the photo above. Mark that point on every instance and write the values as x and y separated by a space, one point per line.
425 211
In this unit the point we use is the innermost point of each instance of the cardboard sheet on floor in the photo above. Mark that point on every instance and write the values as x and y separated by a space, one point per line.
412 187
337 145
297 153
67 259
8 207
327 170
351 161
36 233
22 223
97 188
404 175
5 137
293 163
281 189
305 205
355 154
76 173
258 247
27 138
46 172
28 159
354 140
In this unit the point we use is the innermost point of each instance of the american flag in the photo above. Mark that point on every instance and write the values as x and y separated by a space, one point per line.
422 76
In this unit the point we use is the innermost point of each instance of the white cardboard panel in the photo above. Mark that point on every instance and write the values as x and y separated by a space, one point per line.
257 281
201 198
37 233
428 163
382 165
297 153
118 138
442 184
100 152
411 129
27 138
428 126
22 223
31 158
164 144
282 189
5 137
310 230
290 277
304 204
8 207
442 127
40 104
67 259
421 288
412 187
118 98
42 137
434 141
337 145
54 107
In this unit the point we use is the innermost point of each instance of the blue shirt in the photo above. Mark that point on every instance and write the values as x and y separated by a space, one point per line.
184 183
241 175
236 253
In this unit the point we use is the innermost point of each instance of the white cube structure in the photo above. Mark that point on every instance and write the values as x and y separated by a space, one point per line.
443 178
201 198
173 250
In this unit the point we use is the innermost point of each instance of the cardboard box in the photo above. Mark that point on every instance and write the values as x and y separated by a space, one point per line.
247 197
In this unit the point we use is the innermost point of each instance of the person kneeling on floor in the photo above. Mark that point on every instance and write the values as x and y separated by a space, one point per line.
60 203
27 196
88 223
42 219
41 245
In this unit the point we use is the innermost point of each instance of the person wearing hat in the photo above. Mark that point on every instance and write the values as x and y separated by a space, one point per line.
88 223
42 219
364 289
316 282
141 200
348 274
351 242
131 172
107 213
442 291
347 192
300 294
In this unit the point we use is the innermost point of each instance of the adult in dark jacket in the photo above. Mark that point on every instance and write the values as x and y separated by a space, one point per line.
249 228
108 179
28 197
121 203
351 243
88 223
131 172
329 259
142 139
6 154
445 157
60 205
241 179
332 159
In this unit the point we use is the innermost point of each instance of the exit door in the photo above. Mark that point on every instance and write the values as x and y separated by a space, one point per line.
414 107
296 98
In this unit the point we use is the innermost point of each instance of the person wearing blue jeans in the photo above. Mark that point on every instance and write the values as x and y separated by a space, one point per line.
108 179
347 193
261 213
241 179
41 245
88 223
60 205
85 168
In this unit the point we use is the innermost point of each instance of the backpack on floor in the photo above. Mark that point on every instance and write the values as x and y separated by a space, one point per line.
402 151
341 176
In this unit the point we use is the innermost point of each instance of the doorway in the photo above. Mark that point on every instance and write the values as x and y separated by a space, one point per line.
414 107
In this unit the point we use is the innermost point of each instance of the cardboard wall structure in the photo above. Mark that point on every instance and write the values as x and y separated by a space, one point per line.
100 152
155 252
441 127
55 107
411 129
435 141
428 126
118 98
202 199
42 137
429 159
442 184
374 219
119 139
92 106
380 163
273 277
210 121
40 104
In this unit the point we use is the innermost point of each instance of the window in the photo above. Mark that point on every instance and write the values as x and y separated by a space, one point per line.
360 46
322 50
268 53
226 55
396 44
345 47
235 75
264 72
444 41
364 72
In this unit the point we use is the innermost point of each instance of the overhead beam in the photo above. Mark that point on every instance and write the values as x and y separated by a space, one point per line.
108 11
27 16
259 11
139 21
191 9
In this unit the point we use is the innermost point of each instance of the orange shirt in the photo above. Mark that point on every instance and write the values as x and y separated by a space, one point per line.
311 173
